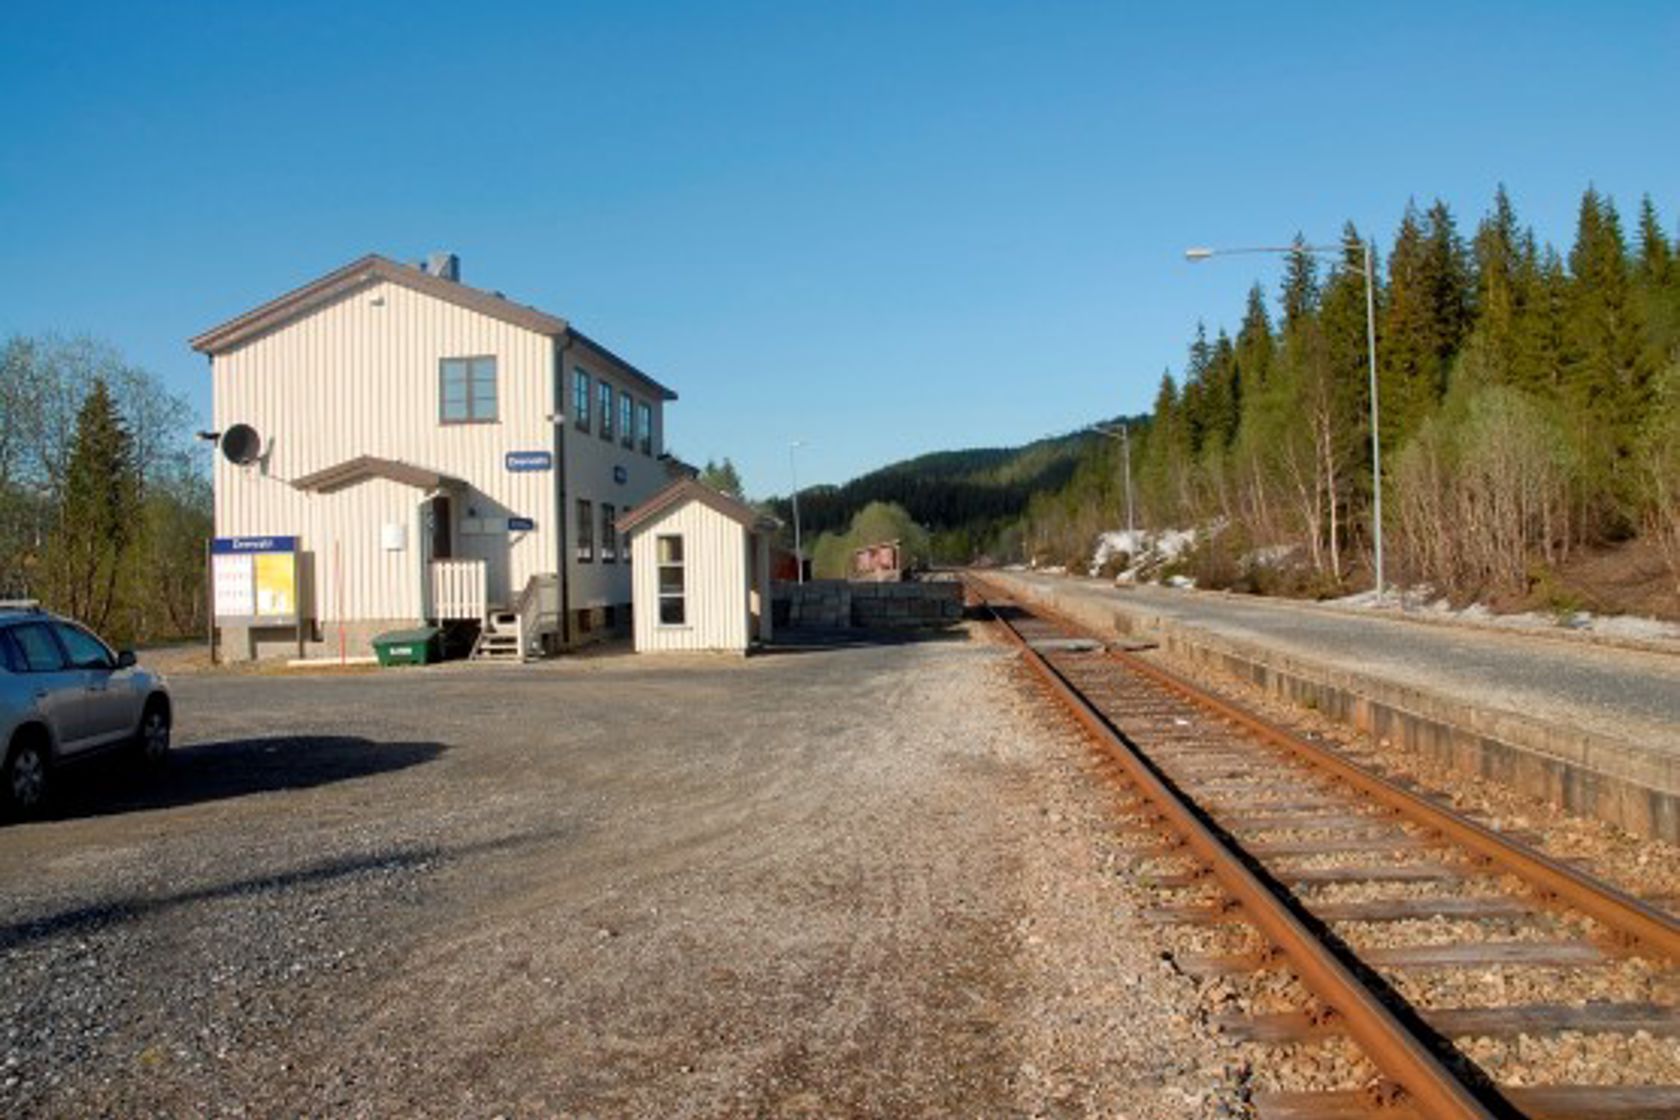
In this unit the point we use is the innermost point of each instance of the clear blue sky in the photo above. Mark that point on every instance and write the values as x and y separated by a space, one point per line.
880 229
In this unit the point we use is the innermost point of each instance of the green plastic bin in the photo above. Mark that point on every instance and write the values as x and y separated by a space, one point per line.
418 646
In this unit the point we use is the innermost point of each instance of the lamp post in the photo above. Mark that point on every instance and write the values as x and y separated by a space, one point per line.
798 551
1202 254
1125 439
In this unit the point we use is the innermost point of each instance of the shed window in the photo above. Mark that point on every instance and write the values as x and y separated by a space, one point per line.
606 399
580 398
467 393
585 531
644 427
626 410
609 534
672 594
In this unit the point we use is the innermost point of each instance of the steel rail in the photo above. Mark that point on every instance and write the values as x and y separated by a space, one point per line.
1392 1047
1638 925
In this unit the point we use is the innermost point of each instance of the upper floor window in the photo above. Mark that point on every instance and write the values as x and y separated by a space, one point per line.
468 390
580 398
626 413
644 427
606 410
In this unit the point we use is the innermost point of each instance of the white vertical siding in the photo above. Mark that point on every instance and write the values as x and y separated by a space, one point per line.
715 576
360 377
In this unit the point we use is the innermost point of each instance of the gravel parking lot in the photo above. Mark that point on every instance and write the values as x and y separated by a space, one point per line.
849 882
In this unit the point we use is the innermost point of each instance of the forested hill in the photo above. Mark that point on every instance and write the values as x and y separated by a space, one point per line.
963 497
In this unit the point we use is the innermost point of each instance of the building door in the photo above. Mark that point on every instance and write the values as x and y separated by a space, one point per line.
439 532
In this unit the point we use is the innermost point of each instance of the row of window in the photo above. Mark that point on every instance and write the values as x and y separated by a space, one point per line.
617 416
612 544
467 395
673 597
50 647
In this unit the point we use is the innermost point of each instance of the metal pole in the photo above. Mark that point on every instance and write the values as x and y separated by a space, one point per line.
1202 254
798 551
1376 443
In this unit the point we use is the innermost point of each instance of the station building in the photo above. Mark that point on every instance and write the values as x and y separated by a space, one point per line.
405 448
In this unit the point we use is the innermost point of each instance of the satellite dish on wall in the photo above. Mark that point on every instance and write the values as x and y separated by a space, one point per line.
241 445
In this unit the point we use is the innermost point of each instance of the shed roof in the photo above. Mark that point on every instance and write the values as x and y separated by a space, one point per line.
373 267
364 467
692 490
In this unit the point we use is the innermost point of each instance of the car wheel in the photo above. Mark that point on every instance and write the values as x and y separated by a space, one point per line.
152 741
26 775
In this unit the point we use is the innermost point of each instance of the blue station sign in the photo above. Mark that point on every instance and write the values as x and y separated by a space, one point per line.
520 524
227 545
529 460
621 475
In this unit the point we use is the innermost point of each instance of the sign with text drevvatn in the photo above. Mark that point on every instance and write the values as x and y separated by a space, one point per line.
254 580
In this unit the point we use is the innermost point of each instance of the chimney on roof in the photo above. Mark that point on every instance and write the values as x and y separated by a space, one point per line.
444 265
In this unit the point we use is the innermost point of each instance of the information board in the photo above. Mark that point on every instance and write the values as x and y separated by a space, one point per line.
254 579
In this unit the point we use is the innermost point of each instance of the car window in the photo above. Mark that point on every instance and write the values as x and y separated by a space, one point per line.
11 658
38 648
85 650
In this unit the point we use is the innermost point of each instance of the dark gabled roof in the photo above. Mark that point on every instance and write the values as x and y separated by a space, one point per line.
360 273
687 490
364 467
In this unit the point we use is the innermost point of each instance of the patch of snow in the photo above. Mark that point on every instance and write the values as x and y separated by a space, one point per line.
1145 552
1424 600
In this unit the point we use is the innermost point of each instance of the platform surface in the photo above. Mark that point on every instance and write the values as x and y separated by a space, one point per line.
1630 695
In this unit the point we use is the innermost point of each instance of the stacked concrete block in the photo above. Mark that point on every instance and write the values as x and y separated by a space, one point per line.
837 604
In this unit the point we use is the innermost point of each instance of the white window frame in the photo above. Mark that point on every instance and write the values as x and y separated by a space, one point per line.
585 550
470 369
680 566
580 400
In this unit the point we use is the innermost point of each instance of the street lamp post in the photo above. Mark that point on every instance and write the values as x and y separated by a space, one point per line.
798 552
1126 465
1202 254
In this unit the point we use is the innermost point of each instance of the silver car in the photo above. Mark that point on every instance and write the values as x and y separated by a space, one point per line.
64 695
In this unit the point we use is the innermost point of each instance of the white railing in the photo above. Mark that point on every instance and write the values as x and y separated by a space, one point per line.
459 589
539 612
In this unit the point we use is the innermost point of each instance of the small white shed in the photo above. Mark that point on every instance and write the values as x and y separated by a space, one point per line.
700 570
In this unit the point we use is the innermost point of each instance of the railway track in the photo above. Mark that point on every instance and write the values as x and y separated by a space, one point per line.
1340 904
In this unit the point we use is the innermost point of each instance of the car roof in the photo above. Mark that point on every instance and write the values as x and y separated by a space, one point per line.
22 610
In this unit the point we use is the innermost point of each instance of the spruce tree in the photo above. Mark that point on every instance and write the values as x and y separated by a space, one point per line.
1163 472
1195 396
1410 373
1223 394
1657 279
722 477
1503 286
1254 344
1447 272
100 516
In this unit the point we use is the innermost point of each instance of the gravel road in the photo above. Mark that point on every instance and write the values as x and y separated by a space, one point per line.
873 881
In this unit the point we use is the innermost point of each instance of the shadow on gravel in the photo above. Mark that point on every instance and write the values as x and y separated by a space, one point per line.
398 861
222 770
817 641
